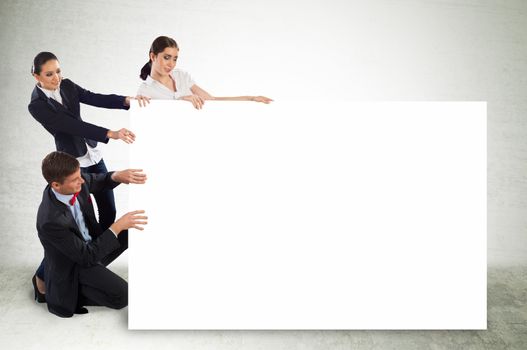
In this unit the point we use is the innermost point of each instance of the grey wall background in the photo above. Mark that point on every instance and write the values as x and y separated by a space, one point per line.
384 50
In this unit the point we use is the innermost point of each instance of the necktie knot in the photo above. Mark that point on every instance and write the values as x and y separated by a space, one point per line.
74 198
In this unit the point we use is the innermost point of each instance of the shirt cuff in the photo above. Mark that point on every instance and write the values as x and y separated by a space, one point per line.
109 228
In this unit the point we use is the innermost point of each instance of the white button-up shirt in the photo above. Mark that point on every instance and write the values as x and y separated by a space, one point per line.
157 91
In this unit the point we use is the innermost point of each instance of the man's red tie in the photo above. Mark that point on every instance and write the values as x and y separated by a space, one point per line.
74 198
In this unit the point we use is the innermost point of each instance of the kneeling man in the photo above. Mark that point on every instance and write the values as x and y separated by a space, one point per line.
76 249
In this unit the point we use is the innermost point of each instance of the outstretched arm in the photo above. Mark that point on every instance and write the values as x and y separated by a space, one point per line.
129 176
58 121
100 182
103 182
111 101
108 101
143 100
76 249
90 253
262 99
196 90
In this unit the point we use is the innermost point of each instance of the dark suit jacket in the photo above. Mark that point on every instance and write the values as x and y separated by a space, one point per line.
65 250
64 121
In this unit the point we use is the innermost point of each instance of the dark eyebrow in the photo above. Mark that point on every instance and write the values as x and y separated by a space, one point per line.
52 71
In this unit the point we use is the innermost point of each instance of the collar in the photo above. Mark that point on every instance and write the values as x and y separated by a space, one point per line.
149 80
38 94
64 198
49 93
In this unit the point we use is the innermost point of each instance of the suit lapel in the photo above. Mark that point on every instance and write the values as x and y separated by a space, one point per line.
72 222
65 100
84 207
66 212
87 210
39 94
54 105
60 107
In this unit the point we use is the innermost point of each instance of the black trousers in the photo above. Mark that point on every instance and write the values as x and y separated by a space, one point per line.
98 286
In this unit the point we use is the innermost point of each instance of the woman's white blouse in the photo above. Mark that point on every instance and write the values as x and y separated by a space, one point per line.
157 91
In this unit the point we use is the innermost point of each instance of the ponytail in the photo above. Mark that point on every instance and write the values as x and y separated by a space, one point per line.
145 71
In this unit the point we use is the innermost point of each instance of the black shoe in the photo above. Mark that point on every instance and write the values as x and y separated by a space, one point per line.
81 310
41 298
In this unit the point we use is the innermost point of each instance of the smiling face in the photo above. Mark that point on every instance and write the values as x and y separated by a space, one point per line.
50 75
71 184
164 62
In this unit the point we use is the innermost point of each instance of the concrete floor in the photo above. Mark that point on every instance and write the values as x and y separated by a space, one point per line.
27 325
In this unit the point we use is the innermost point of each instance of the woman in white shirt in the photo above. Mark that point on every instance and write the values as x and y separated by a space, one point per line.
162 81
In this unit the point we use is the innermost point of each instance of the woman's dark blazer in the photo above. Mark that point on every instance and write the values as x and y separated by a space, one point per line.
64 121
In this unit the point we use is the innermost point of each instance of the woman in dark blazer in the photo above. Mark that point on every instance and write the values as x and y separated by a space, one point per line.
55 103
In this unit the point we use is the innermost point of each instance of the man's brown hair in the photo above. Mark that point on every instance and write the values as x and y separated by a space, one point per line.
57 166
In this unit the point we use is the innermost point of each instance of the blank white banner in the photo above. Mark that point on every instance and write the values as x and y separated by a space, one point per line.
319 215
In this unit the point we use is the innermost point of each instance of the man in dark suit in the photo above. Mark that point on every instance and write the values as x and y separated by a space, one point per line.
76 249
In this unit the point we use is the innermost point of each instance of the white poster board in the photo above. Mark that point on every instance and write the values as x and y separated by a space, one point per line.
309 215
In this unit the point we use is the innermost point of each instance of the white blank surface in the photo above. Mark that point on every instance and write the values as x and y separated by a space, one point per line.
309 215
